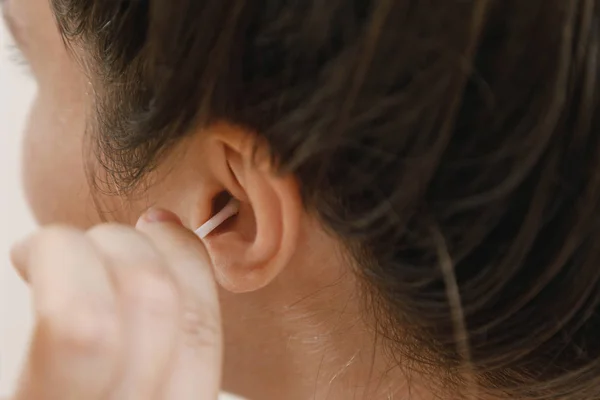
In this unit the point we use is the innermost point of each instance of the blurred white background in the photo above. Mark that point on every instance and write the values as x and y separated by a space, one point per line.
16 93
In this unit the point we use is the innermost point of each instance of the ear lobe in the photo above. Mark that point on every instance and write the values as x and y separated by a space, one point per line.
250 250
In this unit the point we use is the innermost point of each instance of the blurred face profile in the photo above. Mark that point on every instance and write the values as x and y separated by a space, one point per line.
53 153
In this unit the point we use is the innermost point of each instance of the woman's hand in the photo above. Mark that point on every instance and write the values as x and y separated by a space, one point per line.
121 313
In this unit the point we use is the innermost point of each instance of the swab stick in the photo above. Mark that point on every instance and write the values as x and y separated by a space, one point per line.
231 209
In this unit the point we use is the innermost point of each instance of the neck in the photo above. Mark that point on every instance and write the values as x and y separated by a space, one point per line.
305 337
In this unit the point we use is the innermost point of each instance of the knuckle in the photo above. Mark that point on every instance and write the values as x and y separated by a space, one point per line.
108 228
57 237
81 328
151 292
125 245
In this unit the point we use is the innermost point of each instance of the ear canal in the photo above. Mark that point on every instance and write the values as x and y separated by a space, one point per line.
231 209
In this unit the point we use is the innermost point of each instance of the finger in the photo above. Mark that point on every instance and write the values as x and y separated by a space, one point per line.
197 370
76 341
149 301
19 258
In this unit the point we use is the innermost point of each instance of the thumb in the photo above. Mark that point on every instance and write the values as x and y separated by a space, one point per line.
185 255
197 368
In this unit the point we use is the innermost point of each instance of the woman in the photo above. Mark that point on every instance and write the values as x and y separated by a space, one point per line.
417 188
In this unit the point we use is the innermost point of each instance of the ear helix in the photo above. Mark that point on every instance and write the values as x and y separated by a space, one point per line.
231 209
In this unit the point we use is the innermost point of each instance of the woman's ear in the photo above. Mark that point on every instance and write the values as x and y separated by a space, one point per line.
251 248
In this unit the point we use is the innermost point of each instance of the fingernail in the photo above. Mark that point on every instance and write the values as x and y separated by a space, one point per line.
154 215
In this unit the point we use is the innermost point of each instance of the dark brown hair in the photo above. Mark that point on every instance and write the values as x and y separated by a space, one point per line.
453 145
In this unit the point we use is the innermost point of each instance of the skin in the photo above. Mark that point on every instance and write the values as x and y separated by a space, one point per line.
292 321
133 283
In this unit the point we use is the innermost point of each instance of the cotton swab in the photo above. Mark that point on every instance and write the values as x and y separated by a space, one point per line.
231 209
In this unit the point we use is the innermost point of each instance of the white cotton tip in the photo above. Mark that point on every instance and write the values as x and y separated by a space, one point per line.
231 209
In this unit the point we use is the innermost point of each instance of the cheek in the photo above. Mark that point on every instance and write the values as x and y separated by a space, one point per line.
54 157
56 160
54 175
